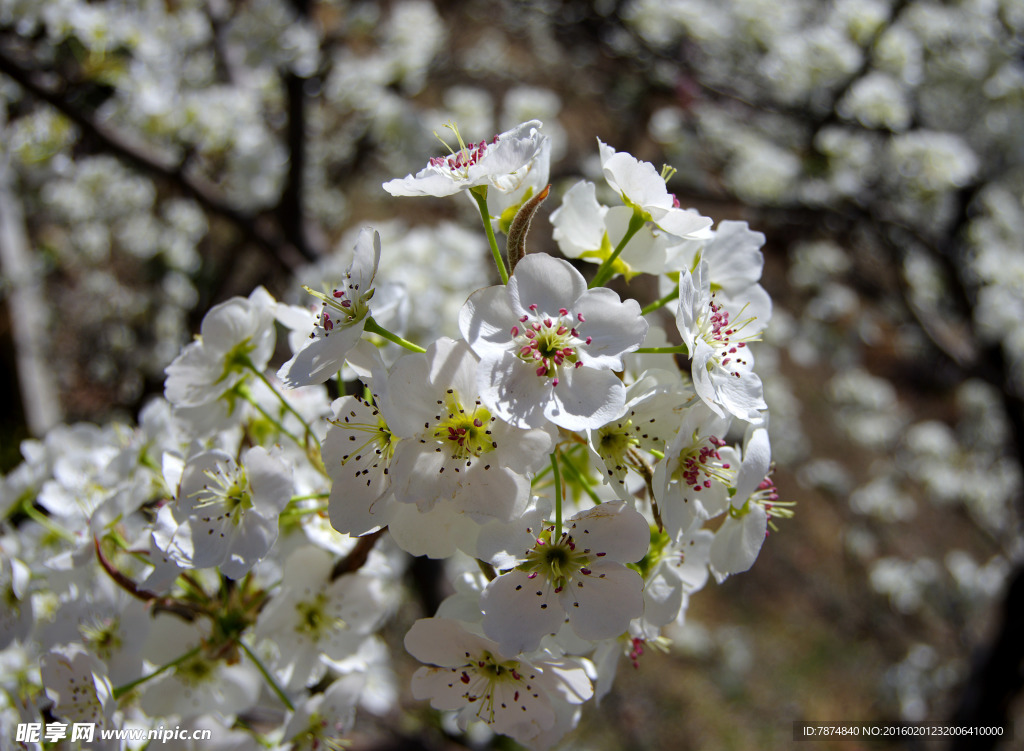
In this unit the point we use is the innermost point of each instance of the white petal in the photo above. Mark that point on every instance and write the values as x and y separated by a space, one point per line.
520 611
486 321
615 530
585 398
444 642
738 542
511 390
601 604
579 221
549 283
321 357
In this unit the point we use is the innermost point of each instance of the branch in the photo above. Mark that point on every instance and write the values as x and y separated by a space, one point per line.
253 227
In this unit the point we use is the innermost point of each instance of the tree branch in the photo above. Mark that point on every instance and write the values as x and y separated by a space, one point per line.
255 228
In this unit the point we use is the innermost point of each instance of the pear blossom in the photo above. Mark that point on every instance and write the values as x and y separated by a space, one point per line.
577 578
453 446
732 252
503 163
226 514
342 317
717 333
513 695
643 189
77 682
694 479
311 615
235 334
548 346
738 541
322 720
675 567
357 453
585 229
648 421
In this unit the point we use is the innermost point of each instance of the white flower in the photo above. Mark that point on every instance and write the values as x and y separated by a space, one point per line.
643 189
548 346
587 230
503 163
453 446
342 317
717 338
469 673
311 615
733 254
357 453
693 480
324 719
738 541
678 567
233 335
227 514
579 578
77 682
647 422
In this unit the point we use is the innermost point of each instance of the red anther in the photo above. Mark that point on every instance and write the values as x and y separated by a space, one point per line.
338 293
514 331
464 677
542 370
586 571
589 339
524 319
563 312
327 323
580 318
478 422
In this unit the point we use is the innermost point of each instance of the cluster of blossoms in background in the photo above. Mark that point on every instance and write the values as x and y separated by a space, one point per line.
239 548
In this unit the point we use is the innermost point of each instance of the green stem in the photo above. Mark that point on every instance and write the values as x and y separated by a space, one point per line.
267 676
605 271
558 496
678 350
662 302
49 524
375 328
121 690
288 513
247 395
280 396
582 480
480 196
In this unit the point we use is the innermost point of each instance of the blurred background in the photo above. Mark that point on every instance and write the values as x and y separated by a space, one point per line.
160 156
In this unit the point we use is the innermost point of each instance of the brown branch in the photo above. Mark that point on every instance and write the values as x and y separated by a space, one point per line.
357 557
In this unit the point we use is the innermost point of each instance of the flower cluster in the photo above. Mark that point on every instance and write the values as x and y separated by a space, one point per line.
597 473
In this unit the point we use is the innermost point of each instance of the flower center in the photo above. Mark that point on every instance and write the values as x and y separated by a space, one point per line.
456 165
549 343
465 434
314 621
701 463
558 562
227 489
483 674
725 336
